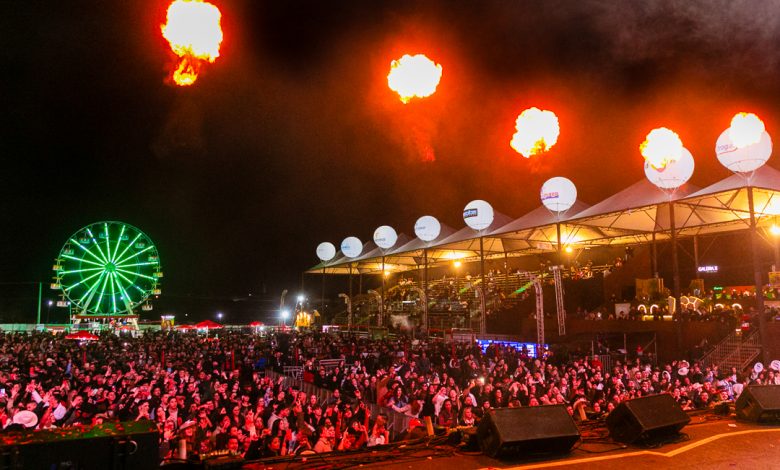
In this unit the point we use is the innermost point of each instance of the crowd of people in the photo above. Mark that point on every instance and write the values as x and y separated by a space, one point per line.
209 394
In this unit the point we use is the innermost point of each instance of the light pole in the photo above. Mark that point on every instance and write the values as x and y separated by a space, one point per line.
48 309
284 314
219 316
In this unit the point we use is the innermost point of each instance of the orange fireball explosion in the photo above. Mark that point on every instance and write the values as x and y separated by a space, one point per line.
412 76
661 147
193 31
746 129
537 131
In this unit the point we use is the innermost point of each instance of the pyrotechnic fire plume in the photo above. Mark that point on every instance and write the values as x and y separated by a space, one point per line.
537 132
746 129
193 31
414 76
661 147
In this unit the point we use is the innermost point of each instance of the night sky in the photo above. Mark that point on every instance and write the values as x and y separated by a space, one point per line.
292 137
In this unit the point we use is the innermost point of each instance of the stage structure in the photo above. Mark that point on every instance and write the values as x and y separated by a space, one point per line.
107 270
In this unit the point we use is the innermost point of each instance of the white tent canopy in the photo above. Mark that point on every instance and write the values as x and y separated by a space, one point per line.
635 215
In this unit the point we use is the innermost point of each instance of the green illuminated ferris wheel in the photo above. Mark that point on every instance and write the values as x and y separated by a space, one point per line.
108 268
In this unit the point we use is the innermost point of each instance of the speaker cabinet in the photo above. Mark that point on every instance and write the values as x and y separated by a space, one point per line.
759 403
513 432
128 446
646 418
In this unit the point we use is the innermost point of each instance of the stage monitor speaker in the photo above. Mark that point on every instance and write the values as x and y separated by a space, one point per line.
512 432
759 403
127 446
646 418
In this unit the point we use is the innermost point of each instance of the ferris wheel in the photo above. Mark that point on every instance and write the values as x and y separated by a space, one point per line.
108 268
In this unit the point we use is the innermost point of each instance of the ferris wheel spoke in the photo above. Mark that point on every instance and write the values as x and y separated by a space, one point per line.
102 292
137 253
66 289
126 299
137 236
120 270
83 260
88 251
131 283
118 242
108 241
90 292
146 263
113 292
74 271
97 245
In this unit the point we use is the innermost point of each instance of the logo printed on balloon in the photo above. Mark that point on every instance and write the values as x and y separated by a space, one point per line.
351 247
558 194
744 159
478 214
427 228
385 237
326 251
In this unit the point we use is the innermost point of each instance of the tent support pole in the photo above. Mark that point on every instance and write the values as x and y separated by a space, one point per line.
675 278
758 279
655 258
506 273
425 290
382 311
483 318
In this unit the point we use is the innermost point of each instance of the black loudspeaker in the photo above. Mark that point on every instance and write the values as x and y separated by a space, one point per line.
128 446
512 432
646 418
759 403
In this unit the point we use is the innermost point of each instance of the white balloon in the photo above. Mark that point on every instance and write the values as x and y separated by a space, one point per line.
745 159
385 237
427 228
674 174
351 247
326 251
478 214
558 194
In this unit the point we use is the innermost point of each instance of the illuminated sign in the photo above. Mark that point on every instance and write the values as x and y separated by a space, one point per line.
708 269
530 347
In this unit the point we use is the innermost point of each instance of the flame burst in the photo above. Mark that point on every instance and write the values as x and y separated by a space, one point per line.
414 76
746 129
661 147
194 33
537 132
